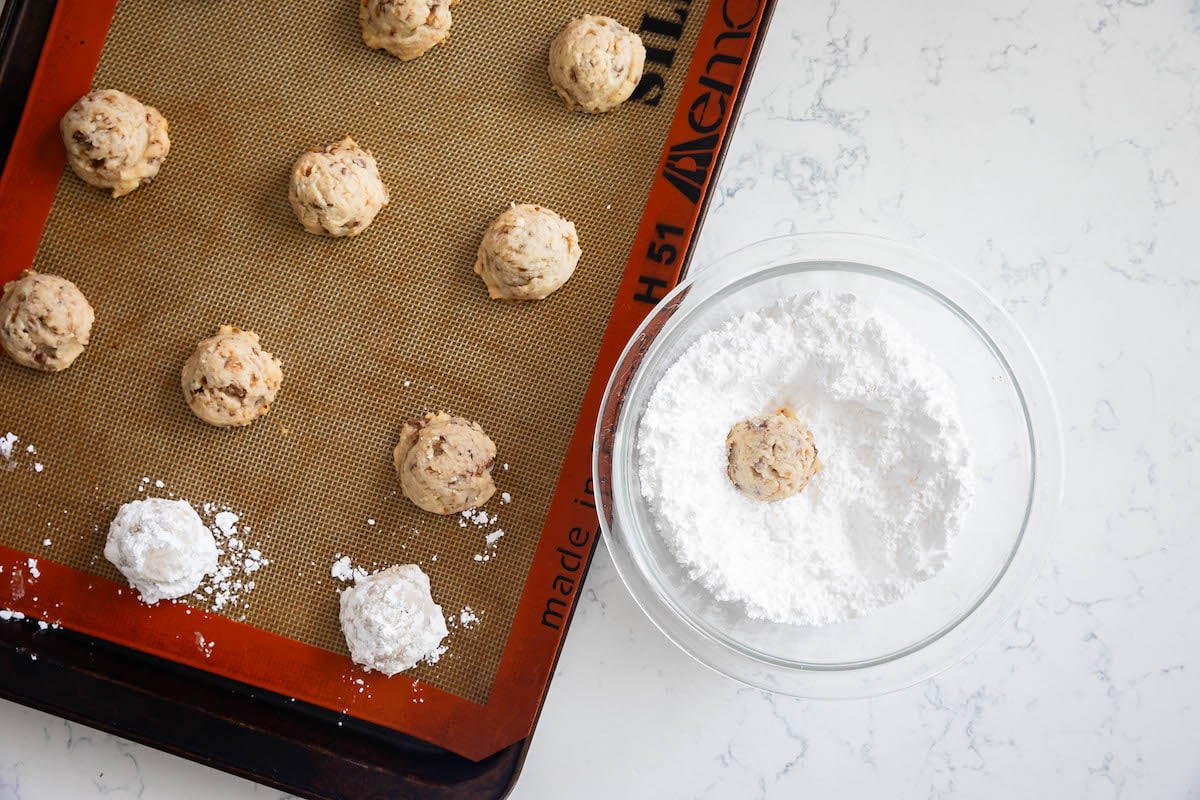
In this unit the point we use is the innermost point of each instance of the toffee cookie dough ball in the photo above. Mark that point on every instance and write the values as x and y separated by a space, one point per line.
444 463
390 621
527 253
229 379
596 63
45 321
336 190
404 28
771 456
162 547
113 141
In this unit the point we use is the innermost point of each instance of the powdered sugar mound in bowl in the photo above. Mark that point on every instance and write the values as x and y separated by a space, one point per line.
894 483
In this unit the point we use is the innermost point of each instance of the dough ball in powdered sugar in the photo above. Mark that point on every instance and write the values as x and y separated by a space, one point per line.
527 253
336 190
596 63
162 547
771 456
229 379
45 321
444 463
390 620
113 141
404 28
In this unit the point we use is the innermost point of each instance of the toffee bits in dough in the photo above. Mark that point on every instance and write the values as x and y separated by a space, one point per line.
113 141
771 456
527 253
404 28
45 321
230 379
444 463
596 63
390 621
336 190
162 547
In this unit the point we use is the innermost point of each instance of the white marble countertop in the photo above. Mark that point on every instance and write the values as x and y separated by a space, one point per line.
1052 151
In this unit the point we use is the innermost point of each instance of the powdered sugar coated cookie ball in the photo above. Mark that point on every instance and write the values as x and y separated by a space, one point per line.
596 63
444 463
229 379
404 28
527 253
113 141
336 190
390 621
45 321
162 547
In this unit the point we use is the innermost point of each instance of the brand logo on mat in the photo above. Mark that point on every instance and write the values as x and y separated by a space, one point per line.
689 163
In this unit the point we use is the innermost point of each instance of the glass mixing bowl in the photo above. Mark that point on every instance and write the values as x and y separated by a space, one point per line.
1007 412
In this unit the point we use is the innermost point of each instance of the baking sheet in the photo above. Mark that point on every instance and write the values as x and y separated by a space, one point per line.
372 330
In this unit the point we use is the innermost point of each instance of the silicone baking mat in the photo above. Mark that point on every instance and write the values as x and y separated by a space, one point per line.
372 330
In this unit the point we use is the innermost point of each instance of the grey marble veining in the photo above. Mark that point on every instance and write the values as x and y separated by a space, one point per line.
1050 151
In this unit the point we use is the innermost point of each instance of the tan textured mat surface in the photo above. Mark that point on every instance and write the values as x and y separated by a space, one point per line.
371 330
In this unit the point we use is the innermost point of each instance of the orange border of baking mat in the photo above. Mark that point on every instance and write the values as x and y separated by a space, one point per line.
729 36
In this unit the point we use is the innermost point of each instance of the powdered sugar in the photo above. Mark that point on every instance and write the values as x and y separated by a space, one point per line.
12 456
344 570
895 482
232 581
7 441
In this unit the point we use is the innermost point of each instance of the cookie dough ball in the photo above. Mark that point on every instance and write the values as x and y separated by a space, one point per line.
771 456
162 547
45 321
527 253
390 621
596 63
113 141
404 28
337 190
444 463
230 379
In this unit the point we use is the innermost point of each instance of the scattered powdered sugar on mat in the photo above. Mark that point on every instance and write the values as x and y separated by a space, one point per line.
237 560
481 518
13 456
894 483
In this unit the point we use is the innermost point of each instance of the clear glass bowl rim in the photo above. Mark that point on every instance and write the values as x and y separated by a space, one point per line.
945 647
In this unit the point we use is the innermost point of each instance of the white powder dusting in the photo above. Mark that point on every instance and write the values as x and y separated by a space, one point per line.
7 615
467 617
229 585
493 537
34 572
7 441
37 467
505 497
344 570
205 646
895 479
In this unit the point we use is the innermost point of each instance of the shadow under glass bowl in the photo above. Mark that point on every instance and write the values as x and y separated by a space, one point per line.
1009 418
